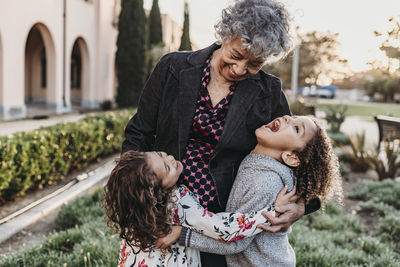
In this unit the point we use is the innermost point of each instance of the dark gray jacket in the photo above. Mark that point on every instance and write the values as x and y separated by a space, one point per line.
165 114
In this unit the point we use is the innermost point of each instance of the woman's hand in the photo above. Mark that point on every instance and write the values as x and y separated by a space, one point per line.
284 199
171 238
290 213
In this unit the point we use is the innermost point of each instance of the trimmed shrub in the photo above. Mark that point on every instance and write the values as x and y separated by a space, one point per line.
36 158
71 215
91 243
384 192
339 138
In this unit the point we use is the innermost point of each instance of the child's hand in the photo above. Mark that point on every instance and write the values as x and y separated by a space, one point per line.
284 199
168 240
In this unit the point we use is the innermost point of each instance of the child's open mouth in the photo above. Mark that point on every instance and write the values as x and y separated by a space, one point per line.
274 125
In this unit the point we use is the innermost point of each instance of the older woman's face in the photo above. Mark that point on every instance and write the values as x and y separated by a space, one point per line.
235 63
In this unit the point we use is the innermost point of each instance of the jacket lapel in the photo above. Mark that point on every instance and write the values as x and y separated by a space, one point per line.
189 86
244 96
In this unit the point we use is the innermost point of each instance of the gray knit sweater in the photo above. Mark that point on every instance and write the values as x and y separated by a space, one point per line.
258 182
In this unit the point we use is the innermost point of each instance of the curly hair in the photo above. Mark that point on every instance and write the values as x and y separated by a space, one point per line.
318 174
262 25
137 206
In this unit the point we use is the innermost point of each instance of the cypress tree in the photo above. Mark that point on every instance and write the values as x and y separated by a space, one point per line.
185 39
155 27
130 57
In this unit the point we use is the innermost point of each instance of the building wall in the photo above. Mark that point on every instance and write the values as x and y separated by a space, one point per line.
90 23
171 32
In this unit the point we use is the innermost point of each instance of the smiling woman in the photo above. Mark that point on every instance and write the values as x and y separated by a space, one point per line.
203 107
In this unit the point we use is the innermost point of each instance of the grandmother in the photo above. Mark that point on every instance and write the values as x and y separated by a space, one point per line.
203 107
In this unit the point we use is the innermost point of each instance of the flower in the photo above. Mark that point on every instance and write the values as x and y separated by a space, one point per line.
206 212
184 191
142 264
176 219
236 238
241 220
248 225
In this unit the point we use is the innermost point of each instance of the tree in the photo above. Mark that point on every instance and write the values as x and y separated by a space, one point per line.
319 60
131 48
391 43
185 39
155 26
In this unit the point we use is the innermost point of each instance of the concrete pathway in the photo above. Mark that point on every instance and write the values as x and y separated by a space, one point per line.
9 127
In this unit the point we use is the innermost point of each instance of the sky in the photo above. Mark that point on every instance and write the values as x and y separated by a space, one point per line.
354 20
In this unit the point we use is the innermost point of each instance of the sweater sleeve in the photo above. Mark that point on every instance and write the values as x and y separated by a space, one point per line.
223 226
253 190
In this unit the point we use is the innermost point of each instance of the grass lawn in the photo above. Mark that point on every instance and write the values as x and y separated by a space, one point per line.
366 109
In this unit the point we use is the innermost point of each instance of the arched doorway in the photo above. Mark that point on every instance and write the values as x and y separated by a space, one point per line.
39 67
79 72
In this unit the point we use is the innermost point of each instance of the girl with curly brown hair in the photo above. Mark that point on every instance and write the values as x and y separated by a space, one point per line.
142 201
288 147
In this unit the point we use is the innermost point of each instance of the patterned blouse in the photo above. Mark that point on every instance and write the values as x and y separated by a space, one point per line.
224 226
207 127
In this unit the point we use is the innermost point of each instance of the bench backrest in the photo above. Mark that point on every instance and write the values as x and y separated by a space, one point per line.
389 128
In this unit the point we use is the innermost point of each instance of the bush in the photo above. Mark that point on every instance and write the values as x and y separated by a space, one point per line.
335 116
388 166
357 156
339 138
384 192
337 239
36 158
71 215
91 243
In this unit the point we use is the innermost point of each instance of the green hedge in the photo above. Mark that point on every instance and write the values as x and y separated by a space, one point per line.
35 158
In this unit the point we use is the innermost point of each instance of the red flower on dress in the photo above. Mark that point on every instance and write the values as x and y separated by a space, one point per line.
248 225
142 264
123 255
184 191
175 219
236 238
206 212
241 220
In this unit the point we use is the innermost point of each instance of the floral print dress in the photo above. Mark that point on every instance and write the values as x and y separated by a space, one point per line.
224 226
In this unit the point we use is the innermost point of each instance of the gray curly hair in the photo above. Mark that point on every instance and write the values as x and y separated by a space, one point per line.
262 25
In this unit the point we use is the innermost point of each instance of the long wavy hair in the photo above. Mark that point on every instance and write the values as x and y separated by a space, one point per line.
318 174
137 206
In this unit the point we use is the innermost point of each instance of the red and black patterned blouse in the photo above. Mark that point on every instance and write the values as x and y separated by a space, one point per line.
208 123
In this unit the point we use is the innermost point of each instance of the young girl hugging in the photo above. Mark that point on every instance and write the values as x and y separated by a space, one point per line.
288 147
142 202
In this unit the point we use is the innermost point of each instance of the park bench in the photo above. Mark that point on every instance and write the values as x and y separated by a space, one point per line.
389 128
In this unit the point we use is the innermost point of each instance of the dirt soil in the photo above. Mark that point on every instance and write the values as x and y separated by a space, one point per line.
34 234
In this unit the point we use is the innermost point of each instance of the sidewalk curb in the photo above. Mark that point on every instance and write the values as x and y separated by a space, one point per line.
10 228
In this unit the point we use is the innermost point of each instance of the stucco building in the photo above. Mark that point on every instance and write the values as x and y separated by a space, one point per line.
60 54
56 53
